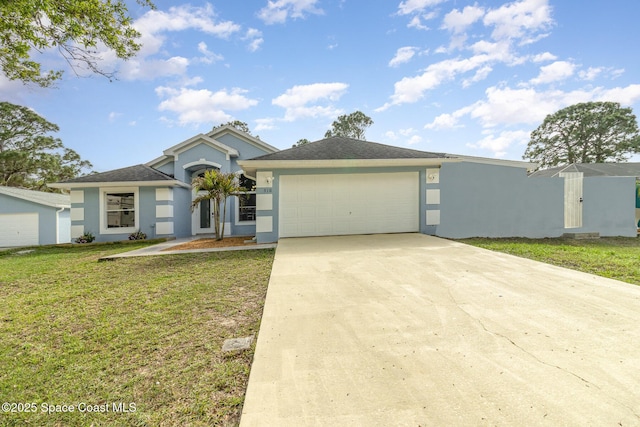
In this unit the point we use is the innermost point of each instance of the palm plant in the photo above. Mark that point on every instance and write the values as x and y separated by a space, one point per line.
218 186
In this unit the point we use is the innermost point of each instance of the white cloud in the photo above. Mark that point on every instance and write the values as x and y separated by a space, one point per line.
296 100
417 8
480 75
209 57
391 135
179 18
457 21
516 23
200 106
140 68
446 121
15 91
255 39
520 20
412 89
277 12
408 134
591 73
506 106
498 51
416 23
415 139
617 73
498 144
113 116
153 27
265 124
526 106
255 44
624 95
554 72
544 57
403 54
408 7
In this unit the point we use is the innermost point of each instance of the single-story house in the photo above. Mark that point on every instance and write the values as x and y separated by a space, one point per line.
155 198
29 218
345 186
589 170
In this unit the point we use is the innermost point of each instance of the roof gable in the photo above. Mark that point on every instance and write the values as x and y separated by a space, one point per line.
39 197
200 139
222 130
340 148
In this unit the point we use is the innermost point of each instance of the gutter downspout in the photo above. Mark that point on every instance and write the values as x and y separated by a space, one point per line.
58 225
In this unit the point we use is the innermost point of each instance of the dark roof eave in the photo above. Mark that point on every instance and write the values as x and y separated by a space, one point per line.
250 166
94 184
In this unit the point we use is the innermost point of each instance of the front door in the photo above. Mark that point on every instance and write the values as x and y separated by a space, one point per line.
202 218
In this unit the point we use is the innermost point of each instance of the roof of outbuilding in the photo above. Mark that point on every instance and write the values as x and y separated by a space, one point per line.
593 169
128 174
340 148
40 197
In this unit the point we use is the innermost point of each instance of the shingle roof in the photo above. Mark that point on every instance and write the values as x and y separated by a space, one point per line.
39 197
339 148
593 169
128 174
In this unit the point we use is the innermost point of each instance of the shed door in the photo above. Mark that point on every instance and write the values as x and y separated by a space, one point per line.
572 199
336 204
19 229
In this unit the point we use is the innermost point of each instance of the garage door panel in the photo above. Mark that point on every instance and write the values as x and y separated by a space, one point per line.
338 204
19 229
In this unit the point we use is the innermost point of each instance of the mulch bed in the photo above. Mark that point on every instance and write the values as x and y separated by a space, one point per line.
212 243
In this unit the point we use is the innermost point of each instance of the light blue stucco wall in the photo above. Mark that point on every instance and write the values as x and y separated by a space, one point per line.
609 206
481 200
245 149
485 200
194 154
497 201
147 214
91 221
181 212
47 225
166 168
147 221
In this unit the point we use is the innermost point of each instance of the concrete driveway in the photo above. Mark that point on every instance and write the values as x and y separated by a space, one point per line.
413 330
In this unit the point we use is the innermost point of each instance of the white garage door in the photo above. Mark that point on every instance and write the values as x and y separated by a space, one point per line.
19 229
324 205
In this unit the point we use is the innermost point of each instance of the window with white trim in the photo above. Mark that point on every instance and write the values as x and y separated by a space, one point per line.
120 208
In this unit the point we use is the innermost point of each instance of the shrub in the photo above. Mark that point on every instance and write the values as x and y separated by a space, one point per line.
138 235
87 237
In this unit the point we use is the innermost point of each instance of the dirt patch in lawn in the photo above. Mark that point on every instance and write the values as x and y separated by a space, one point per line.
212 243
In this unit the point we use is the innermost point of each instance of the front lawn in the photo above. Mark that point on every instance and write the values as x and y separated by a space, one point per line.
133 342
617 258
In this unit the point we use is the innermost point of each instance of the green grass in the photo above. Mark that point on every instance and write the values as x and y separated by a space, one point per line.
146 331
617 258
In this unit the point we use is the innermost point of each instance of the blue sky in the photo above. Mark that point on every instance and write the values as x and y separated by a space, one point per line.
462 77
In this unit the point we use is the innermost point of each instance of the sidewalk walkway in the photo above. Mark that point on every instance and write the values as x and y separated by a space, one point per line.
164 248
